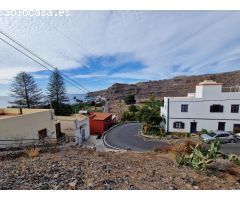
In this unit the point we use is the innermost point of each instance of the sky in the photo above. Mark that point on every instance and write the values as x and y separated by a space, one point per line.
100 48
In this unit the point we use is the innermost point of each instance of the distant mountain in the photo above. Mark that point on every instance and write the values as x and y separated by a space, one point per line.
176 86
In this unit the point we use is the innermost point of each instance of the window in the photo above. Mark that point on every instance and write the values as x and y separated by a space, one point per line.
223 135
216 108
234 108
184 108
221 126
178 125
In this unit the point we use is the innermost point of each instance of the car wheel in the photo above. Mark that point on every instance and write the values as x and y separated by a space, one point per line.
232 141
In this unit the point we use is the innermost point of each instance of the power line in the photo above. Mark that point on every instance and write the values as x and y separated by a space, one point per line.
37 62
75 42
43 60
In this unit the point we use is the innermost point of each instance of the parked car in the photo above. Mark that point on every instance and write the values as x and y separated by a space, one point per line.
237 135
223 136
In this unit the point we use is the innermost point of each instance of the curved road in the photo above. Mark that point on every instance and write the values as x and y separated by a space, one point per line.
126 137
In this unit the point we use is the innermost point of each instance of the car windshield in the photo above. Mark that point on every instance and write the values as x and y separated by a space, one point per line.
212 134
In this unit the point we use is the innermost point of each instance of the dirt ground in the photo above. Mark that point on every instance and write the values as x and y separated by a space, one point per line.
77 168
117 107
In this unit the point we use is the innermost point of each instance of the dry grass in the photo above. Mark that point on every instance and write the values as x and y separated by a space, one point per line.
185 147
32 152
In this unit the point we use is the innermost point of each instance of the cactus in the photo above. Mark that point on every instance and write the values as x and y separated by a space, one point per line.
200 159
234 158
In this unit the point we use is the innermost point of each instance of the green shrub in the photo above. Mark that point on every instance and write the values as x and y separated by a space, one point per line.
234 158
180 135
203 131
130 99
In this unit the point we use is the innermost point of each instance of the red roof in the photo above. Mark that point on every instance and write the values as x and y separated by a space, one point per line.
100 116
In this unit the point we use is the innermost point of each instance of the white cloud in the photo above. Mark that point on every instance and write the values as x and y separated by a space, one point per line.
39 76
191 40
83 76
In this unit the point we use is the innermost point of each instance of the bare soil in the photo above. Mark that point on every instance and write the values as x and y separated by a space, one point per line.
77 168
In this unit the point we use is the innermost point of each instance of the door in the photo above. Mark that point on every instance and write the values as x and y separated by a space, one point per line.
221 126
42 134
193 127
58 130
83 135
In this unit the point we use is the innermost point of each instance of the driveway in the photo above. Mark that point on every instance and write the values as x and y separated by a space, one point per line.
126 137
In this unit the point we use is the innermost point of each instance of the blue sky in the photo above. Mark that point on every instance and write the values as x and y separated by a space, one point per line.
99 48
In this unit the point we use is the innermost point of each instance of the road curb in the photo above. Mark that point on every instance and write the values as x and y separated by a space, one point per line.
107 131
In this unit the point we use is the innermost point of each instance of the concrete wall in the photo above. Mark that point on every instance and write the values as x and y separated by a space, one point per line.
210 125
71 126
68 126
82 127
27 126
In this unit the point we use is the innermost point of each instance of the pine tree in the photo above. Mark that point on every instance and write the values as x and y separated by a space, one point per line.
25 91
57 90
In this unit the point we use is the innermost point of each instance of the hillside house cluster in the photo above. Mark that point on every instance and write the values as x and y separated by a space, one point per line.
27 125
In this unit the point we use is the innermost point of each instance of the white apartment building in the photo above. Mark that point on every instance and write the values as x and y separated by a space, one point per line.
208 108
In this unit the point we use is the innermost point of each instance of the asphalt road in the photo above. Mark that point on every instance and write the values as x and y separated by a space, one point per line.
126 137
229 148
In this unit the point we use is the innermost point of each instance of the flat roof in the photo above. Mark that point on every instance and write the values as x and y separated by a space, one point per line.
99 116
209 82
16 112
72 118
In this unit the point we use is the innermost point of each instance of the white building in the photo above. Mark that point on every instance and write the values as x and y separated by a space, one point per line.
208 108
26 126
76 126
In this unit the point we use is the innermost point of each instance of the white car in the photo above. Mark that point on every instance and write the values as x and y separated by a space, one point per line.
237 135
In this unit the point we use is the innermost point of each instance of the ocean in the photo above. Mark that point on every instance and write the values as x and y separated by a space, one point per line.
4 100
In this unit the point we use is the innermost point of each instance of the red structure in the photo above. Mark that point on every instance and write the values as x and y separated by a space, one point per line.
100 122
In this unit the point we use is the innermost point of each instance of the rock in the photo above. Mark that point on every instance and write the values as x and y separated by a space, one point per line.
195 187
189 180
107 168
133 187
56 176
73 183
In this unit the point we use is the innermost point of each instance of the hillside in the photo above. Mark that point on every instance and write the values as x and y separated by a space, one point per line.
76 168
177 86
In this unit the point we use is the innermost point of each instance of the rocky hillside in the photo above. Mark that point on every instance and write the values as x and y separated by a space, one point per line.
83 169
177 86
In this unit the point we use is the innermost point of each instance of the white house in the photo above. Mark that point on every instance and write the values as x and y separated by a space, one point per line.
26 126
208 108
76 126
